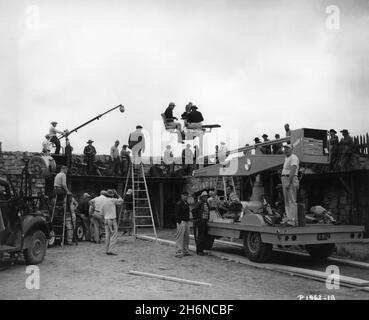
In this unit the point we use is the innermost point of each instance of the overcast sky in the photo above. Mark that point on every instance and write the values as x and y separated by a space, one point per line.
250 66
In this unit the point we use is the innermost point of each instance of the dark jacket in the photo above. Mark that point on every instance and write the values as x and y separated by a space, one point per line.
83 206
89 152
195 117
199 211
182 211
128 200
169 114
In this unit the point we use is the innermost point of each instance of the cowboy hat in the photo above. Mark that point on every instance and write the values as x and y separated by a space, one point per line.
204 194
90 141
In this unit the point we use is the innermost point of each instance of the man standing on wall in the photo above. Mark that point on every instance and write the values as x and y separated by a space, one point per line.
125 160
114 155
290 185
136 142
53 138
182 213
200 215
347 149
90 153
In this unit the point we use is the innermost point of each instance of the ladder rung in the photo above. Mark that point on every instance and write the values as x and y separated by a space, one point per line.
142 217
142 207
144 225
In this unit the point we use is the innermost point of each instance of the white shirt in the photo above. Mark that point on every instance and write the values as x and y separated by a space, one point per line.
108 207
114 152
188 156
168 157
290 161
98 202
60 180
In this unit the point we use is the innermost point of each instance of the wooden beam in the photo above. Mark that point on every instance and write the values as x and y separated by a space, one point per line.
162 277
161 206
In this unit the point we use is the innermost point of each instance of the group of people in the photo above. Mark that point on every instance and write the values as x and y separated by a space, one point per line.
97 214
192 119
341 151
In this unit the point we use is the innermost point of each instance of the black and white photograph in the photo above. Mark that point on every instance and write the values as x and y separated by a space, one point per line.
184 156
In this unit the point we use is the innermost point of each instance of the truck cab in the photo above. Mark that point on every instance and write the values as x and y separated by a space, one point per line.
24 226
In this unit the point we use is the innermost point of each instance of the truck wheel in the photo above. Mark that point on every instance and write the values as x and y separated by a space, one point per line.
36 252
80 232
320 251
255 249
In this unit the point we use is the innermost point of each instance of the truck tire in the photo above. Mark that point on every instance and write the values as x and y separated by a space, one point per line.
255 249
320 251
36 252
80 232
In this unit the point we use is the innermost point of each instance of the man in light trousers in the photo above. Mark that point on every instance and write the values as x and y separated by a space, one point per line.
290 185
109 212
182 213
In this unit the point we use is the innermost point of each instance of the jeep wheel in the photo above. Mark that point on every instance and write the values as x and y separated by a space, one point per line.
36 252
255 249
80 232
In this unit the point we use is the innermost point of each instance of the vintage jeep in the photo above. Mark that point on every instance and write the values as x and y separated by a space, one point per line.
24 226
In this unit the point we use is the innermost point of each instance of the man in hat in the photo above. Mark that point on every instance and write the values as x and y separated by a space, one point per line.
136 143
200 215
96 217
125 160
187 112
182 214
168 160
84 209
290 185
195 119
115 157
169 119
333 148
222 152
53 138
258 148
266 149
90 153
109 212
187 160
46 145
347 146
128 212
277 147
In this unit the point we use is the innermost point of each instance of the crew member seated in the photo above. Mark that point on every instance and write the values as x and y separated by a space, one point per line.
170 123
187 112
195 119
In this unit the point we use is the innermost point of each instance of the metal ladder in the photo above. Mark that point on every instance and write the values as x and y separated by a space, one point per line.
60 210
142 210
224 183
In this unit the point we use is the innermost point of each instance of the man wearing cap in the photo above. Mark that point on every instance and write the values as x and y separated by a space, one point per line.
182 214
89 153
169 119
109 211
125 160
53 138
266 149
83 209
115 157
46 145
333 148
277 147
200 215
347 146
195 119
136 143
290 185
96 217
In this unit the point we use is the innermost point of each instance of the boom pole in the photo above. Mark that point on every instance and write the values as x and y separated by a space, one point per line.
88 122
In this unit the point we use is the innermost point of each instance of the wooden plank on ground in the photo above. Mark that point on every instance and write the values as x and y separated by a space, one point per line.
318 275
175 279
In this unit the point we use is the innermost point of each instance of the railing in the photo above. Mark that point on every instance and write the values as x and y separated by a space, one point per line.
362 144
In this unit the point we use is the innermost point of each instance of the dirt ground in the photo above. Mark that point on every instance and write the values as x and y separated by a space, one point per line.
86 272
